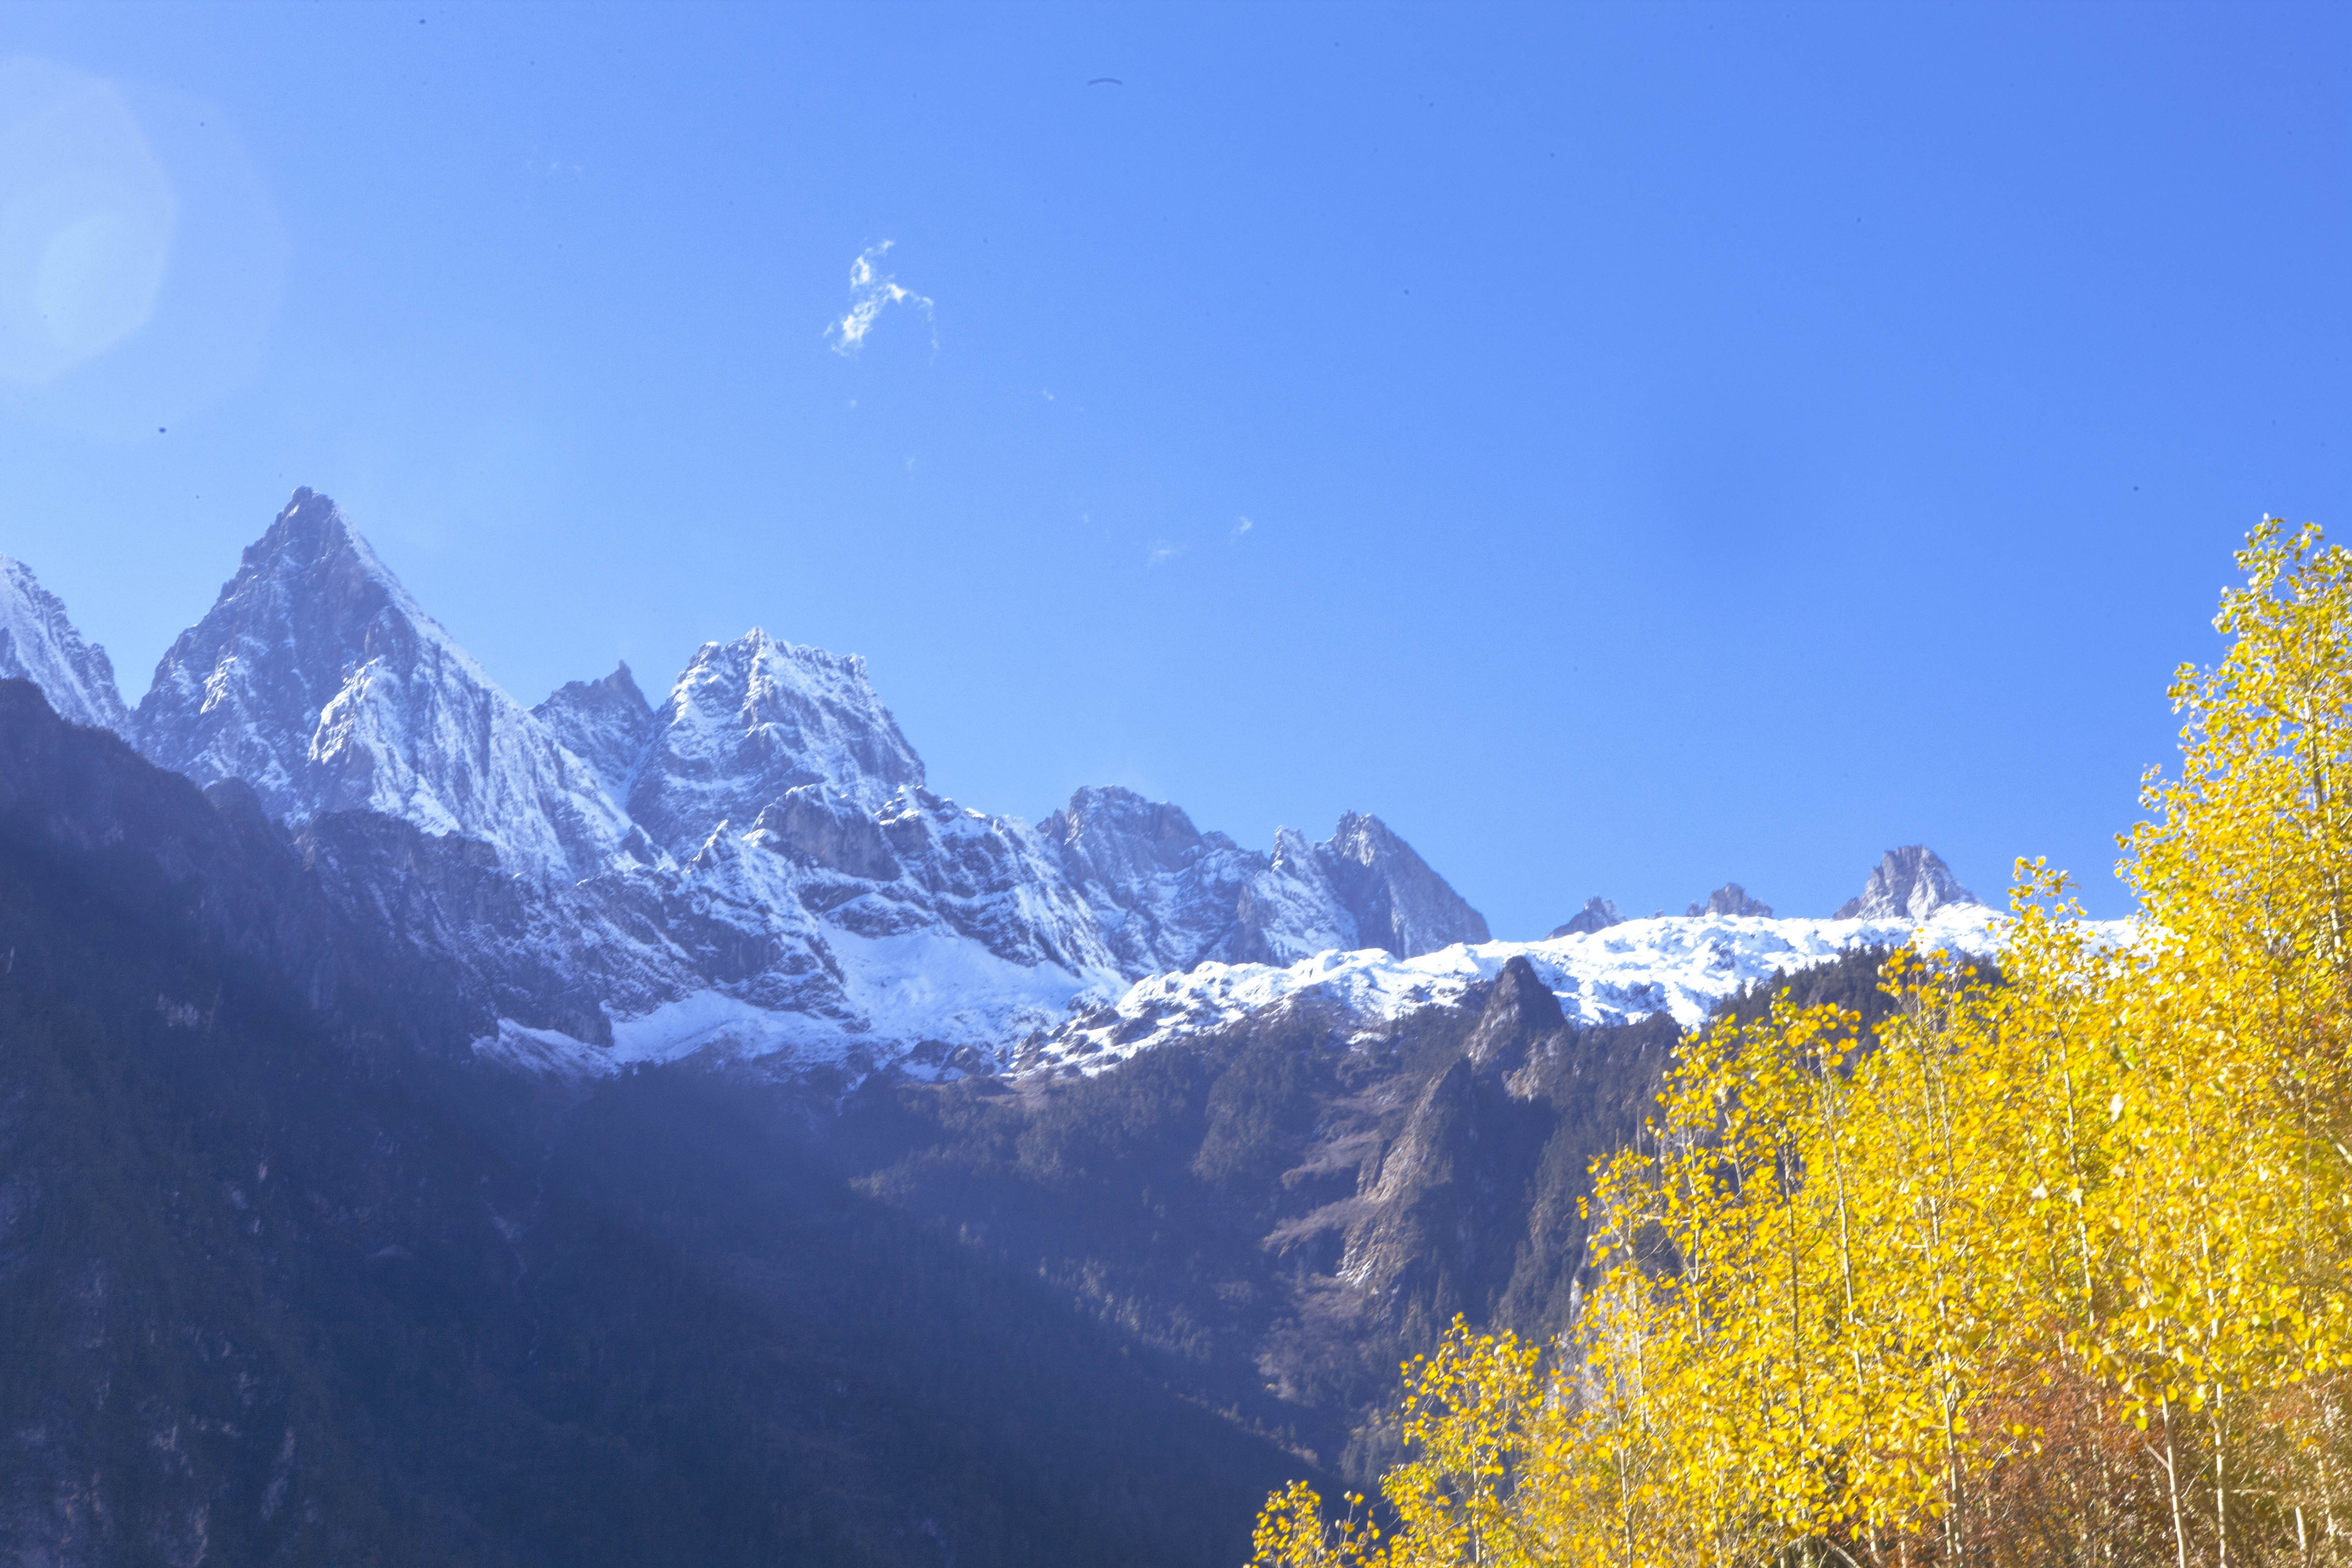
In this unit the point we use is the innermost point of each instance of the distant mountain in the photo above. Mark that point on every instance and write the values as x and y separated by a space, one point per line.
39 643
1731 898
1169 897
626 1130
318 681
287 1277
750 869
1399 905
1597 914
1910 883
750 719
754 869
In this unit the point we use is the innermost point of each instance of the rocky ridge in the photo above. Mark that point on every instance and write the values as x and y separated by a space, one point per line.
752 868
38 643
1909 883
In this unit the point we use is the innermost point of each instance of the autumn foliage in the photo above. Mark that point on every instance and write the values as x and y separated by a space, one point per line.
2051 1271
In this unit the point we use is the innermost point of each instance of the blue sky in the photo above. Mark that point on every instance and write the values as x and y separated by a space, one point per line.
1623 447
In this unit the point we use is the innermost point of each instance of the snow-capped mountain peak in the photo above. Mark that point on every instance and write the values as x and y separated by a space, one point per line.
748 721
1400 904
39 643
1730 898
605 723
320 682
1909 883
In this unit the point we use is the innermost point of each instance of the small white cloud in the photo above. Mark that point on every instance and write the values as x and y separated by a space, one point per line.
870 290
1241 525
1162 553
1046 394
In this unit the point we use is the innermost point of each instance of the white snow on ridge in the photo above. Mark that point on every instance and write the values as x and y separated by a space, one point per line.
921 1001
39 643
931 1005
1682 965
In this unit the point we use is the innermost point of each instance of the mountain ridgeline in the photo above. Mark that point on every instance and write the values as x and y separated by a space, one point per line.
434 1129
753 866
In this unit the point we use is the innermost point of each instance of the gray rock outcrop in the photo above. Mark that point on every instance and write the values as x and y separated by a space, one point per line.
318 681
1731 898
1169 897
1597 914
1398 902
607 724
39 643
1909 883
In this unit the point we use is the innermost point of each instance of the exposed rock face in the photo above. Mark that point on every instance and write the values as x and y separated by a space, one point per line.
605 723
1909 883
1730 898
1597 914
814 825
39 643
1520 1011
1169 897
1398 902
1165 894
1472 1206
319 681
752 719
754 868
1290 910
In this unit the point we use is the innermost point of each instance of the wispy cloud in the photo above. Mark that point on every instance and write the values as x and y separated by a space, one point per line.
871 290
1241 525
1162 553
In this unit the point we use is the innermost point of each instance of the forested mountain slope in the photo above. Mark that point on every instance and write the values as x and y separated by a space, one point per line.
281 1280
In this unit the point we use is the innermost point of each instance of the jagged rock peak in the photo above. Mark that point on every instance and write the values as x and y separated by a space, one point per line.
606 723
1909 883
1597 914
1398 902
38 643
1166 895
1731 898
1520 1011
752 720
1117 835
317 679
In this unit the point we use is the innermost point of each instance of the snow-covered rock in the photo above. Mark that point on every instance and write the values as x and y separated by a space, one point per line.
1681 966
754 871
1730 898
1597 914
605 723
39 643
1909 883
1398 902
318 681
1167 895
752 720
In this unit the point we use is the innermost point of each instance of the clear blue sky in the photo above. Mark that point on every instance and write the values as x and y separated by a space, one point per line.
1677 444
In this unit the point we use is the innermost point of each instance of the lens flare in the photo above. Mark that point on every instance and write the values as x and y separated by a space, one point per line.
87 221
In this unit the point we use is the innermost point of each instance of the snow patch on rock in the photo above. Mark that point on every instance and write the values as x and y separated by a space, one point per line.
38 643
1680 965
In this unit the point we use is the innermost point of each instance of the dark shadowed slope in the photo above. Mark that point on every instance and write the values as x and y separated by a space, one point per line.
284 1280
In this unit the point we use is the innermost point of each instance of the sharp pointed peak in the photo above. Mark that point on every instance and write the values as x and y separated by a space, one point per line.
40 642
623 681
309 522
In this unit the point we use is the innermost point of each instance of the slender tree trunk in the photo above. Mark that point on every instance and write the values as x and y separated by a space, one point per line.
2220 1491
2173 1484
